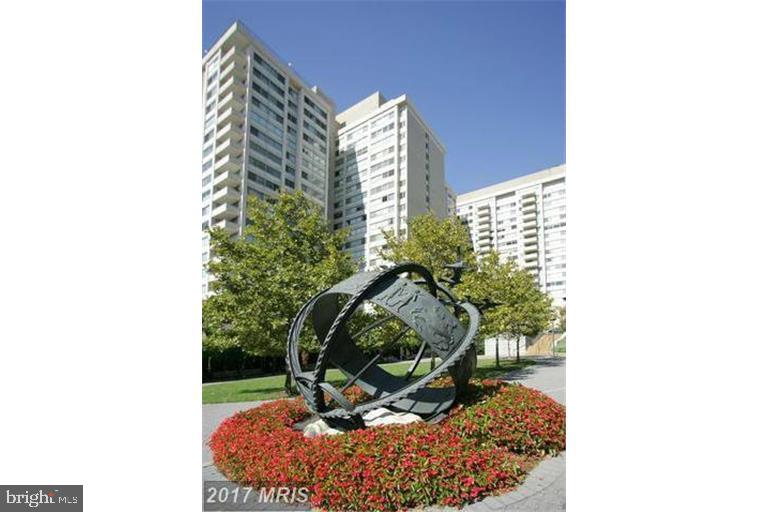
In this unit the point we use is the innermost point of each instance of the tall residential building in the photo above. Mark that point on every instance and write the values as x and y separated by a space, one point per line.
264 130
389 166
523 219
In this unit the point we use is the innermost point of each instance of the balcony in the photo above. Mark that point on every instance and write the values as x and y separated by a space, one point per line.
226 195
231 115
226 70
484 235
529 200
229 179
226 56
527 217
530 250
230 147
227 163
225 212
531 261
234 84
236 101
531 241
229 130
484 242
237 65
484 212
531 234
232 228
484 227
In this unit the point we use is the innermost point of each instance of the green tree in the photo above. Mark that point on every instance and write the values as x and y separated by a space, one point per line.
521 309
432 242
560 310
286 255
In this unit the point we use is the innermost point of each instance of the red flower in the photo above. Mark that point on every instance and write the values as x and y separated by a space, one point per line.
478 450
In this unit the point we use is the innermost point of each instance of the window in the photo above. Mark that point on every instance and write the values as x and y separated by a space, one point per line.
264 167
263 182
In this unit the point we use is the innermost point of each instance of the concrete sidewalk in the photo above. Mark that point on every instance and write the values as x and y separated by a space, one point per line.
543 489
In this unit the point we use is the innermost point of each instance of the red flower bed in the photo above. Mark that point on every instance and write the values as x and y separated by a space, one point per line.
484 447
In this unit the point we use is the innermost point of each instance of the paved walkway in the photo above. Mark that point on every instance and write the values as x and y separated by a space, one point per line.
543 489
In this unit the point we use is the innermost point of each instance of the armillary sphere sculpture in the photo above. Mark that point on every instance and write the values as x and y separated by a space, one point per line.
428 308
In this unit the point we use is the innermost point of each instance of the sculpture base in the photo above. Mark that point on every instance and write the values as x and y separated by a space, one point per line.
314 426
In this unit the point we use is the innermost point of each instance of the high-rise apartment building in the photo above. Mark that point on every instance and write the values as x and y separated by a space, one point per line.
524 220
264 130
389 166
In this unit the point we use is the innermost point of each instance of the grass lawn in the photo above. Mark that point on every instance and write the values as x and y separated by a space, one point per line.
264 388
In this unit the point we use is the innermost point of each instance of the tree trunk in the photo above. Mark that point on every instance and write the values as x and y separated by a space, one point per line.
498 363
518 350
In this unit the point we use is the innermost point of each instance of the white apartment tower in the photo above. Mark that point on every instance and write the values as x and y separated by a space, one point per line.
264 130
389 166
523 219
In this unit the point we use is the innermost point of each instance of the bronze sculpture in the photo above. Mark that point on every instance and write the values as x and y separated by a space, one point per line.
426 307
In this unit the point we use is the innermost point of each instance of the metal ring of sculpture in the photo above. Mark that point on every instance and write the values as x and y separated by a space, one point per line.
431 313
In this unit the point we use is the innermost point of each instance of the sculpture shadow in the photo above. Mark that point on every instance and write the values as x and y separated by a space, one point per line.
529 370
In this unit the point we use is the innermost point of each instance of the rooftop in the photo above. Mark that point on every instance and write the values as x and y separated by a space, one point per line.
555 172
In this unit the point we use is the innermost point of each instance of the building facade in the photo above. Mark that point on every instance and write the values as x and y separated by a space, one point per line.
389 166
523 220
450 201
264 130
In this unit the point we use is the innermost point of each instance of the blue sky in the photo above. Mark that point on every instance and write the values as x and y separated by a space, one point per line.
489 77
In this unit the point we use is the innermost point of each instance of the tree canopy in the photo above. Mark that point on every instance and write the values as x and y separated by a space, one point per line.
432 242
520 308
287 254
